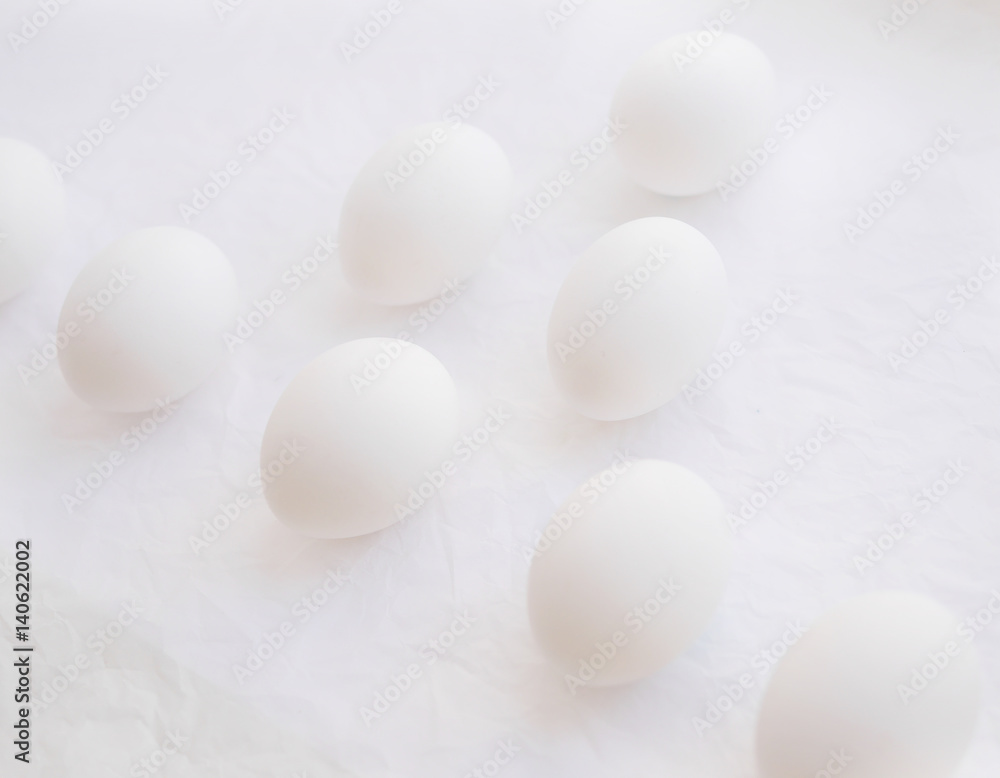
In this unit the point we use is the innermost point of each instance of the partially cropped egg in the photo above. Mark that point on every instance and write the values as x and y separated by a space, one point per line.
885 685
360 438
427 209
637 316
692 107
628 572
145 319
32 214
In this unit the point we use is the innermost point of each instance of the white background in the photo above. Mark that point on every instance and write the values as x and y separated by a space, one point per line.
827 357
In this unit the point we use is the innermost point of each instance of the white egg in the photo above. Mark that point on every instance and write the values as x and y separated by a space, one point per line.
360 438
628 572
145 319
882 686
427 208
638 315
32 214
693 106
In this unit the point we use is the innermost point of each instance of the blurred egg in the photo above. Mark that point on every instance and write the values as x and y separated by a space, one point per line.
358 440
628 572
144 320
638 315
693 106
882 686
32 214
427 208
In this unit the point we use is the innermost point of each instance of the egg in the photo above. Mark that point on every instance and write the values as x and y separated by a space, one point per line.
637 316
882 686
693 106
628 572
32 214
144 320
427 208
360 439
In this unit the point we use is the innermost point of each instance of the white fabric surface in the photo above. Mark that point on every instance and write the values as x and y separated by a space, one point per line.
827 357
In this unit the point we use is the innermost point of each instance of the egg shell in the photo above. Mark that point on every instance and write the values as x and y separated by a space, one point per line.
427 208
32 214
837 701
692 109
637 316
372 418
633 565
151 311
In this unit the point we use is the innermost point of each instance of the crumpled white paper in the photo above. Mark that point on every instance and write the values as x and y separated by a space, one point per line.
813 321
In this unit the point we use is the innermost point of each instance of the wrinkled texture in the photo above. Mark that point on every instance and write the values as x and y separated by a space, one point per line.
782 231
